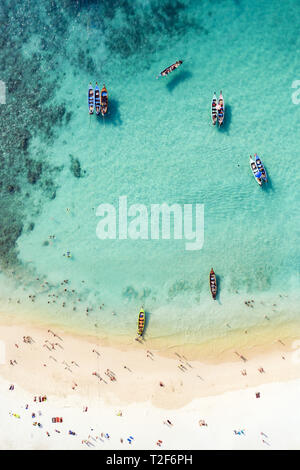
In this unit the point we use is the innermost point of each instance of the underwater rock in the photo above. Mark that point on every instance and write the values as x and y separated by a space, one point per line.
81 57
60 112
11 188
90 65
49 189
75 167
9 233
140 27
28 52
68 116
22 139
34 170
25 143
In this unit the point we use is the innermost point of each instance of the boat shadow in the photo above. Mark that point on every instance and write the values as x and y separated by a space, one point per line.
268 187
218 279
113 115
177 79
147 320
227 121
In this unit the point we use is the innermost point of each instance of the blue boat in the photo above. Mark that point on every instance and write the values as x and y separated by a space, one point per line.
261 168
256 172
91 99
97 99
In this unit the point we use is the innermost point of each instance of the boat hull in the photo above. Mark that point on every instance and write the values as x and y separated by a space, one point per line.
104 101
97 100
221 110
141 322
261 168
214 112
91 99
255 170
213 284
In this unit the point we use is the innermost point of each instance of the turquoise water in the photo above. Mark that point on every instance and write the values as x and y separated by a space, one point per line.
156 145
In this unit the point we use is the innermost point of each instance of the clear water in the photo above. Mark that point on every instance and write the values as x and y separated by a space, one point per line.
156 145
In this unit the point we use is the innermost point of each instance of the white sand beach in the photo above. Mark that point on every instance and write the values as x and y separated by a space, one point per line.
248 403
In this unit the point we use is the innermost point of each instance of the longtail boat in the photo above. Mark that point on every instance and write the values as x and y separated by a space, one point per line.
261 168
103 100
213 284
97 99
170 69
214 113
256 173
221 109
141 322
91 99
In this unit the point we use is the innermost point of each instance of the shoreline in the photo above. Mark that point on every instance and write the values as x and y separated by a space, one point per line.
181 322
185 377
255 340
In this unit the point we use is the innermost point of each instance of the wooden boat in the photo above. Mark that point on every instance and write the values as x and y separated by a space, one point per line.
97 99
255 171
213 284
170 69
221 109
214 113
261 168
141 322
103 100
91 99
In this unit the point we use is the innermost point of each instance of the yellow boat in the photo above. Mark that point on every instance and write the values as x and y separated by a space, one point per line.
141 322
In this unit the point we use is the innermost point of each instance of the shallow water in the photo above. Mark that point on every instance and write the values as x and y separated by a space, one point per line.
156 145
